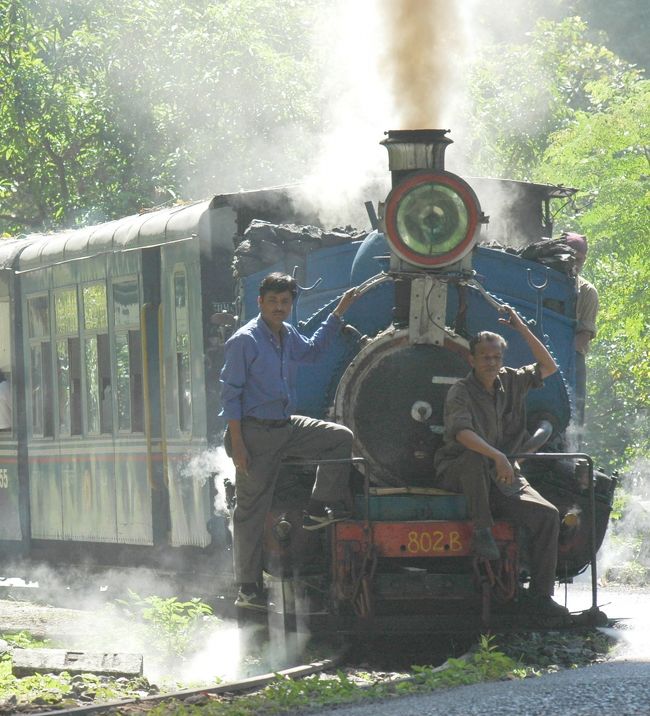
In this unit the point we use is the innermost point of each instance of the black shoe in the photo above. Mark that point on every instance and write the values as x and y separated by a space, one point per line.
311 521
483 544
543 604
256 600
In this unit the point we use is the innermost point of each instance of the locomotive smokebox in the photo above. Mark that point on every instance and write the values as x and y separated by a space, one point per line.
412 150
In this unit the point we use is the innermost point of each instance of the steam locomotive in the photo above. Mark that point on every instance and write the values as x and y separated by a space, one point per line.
112 339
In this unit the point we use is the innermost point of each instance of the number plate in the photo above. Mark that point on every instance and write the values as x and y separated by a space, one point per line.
436 540
418 539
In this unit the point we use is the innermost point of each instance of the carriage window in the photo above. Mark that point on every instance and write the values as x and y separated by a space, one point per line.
5 336
37 316
63 383
123 382
40 366
65 311
99 394
42 417
68 374
95 306
37 389
183 375
105 387
137 388
92 385
128 357
127 304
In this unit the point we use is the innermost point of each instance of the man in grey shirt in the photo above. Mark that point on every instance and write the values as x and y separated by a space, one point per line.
485 420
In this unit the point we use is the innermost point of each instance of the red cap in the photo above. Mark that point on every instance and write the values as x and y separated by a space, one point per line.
578 242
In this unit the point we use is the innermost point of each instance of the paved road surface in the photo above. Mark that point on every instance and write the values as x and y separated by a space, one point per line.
611 689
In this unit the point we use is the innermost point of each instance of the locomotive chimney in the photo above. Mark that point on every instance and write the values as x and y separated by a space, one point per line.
411 150
430 221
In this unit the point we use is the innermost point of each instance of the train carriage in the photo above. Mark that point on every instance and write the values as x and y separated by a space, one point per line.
106 330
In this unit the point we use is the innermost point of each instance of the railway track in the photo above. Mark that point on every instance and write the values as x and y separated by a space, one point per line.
388 659
234 687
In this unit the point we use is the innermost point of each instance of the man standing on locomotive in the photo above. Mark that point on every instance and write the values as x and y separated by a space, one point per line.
258 396
586 311
485 420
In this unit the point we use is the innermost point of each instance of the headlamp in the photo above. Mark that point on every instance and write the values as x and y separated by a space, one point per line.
432 219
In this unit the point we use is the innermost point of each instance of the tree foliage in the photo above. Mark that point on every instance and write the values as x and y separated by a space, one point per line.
523 93
620 25
626 23
109 105
578 116
607 154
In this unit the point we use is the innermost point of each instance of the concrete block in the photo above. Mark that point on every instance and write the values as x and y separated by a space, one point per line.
52 661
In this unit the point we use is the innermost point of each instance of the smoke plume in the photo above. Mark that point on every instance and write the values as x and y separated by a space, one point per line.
385 64
424 50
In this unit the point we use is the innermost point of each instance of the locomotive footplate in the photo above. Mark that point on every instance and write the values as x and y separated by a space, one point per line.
379 567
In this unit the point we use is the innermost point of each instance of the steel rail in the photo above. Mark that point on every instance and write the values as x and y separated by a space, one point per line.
254 682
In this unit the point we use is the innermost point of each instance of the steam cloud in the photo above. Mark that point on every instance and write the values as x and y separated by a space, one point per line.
220 648
385 64
212 462
625 553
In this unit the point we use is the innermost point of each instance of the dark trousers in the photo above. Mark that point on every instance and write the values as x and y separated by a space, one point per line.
581 386
267 445
471 474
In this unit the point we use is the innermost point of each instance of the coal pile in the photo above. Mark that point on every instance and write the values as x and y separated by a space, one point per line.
264 244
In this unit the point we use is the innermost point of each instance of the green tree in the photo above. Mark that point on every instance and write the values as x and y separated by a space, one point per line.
109 106
607 154
626 23
620 25
523 93
578 116
50 129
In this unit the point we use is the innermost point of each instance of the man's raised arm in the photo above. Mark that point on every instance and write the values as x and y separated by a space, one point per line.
547 366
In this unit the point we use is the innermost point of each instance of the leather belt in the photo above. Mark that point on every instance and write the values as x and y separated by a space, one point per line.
267 421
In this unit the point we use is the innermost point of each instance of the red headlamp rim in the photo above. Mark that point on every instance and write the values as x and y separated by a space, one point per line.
468 198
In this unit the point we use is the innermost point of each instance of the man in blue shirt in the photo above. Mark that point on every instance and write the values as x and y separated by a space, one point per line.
258 396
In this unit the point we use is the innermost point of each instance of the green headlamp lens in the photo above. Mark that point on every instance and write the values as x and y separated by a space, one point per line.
432 219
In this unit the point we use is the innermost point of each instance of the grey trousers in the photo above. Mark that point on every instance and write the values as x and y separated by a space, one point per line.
581 387
470 474
267 446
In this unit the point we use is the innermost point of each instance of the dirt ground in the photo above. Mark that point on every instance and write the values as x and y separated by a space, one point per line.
43 621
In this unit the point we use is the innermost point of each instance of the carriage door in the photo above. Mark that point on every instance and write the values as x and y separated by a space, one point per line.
183 395
10 507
